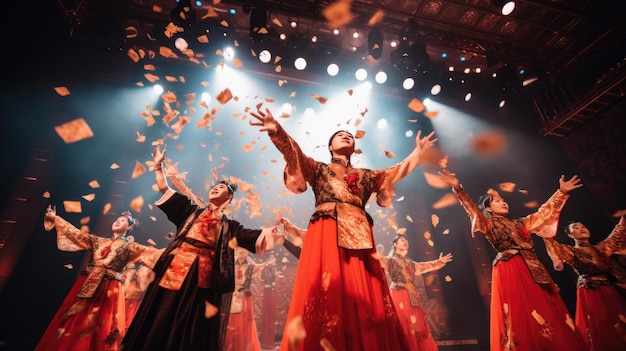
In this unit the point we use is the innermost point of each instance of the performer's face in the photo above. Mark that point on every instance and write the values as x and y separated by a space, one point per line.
219 194
242 254
498 207
342 143
120 225
578 231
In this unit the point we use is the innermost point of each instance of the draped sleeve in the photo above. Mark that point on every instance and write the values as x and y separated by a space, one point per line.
480 222
428 266
545 221
70 238
559 252
615 243
300 168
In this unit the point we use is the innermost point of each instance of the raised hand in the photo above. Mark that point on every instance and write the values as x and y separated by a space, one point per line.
49 217
445 258
266 121
159 155
425 143
571 184
449 178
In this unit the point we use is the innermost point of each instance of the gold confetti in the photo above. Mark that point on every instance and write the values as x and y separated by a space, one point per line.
72 206
434 220
210 310
89 197
408 218
63 91
69 266
489 143
137 203
507 187
74 131
46 195
447 200
138 171
416 105
435 181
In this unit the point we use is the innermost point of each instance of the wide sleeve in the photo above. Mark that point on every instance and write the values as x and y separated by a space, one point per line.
70 238
545 221
176 206
299 168
615 243
427 266
146 255
257 241
558 251
292 248
480 223
385 183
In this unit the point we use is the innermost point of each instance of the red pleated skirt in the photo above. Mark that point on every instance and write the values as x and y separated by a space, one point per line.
342 297
413 322
242 333
526 316
598 319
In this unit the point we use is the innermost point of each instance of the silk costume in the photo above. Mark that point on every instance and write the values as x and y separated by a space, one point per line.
600 309
191 278
92 316
526 312
340 290
242 333
402 272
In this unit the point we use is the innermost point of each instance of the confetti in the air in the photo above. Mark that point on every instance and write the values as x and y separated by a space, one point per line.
74 131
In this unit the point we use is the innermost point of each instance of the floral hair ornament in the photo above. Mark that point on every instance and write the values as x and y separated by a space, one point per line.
132 222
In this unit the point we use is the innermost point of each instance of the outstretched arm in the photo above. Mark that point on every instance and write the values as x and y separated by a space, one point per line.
159 175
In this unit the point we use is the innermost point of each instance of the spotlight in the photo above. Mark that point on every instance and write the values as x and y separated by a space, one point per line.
408 83
375 43
506 6
293 24
158 88
232 11
501 103
360 74
508 78
381 77
468 97
300 63
332 69
436 89
265 56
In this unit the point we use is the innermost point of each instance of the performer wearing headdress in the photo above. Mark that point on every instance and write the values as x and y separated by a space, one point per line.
184 308
92 316
527 312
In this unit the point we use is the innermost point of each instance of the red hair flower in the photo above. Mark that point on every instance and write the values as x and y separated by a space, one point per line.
352 179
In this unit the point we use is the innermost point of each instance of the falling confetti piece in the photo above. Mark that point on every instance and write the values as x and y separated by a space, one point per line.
489 143
434 219
507 187
138 171
531 204
322 100
72 206
431 114
114 166
224 96
338 14
210 310
443 162
232 243
435 181
69 266
408 218
85 220
63 91
376 18
427 235
46 195
447 278
89 197
74 131
446 232
523 191
416 106
106 209
390 154
447 200
401 198
401 231
136 204
151 242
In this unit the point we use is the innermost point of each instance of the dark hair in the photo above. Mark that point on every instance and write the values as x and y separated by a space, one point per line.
567 225
484 201
395 240
330 140
232 187
132 222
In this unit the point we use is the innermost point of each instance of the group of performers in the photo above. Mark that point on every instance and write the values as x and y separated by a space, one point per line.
345 297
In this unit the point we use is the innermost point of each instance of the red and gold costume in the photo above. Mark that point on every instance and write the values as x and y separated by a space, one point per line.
402 272
92 316
600 309
340 290
527 312
191 276
242 333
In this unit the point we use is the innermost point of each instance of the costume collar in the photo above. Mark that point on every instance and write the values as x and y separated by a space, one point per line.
340 161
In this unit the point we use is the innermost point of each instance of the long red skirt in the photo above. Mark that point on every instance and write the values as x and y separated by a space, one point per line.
95 324
342 297
413 322
598 313
526 316
241 333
